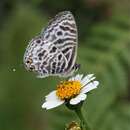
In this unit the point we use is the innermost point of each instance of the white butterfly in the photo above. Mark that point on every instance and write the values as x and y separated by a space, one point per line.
54 51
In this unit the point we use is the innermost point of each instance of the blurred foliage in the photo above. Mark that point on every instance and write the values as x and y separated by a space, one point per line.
104 49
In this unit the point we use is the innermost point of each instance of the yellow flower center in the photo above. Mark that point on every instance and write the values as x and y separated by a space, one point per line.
68 89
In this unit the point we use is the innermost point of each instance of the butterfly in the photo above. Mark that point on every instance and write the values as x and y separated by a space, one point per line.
54 51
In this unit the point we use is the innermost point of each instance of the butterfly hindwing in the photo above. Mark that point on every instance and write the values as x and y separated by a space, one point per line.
54 63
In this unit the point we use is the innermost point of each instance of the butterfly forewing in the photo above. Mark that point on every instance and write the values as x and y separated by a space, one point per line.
54 51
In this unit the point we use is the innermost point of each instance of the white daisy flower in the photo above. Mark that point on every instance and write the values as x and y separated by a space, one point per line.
73 91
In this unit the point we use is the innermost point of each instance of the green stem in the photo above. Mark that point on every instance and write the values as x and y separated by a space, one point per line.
83 123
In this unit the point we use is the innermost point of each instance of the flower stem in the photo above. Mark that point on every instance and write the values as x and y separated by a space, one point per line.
84 125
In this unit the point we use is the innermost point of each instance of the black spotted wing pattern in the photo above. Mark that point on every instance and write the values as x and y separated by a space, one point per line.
54 51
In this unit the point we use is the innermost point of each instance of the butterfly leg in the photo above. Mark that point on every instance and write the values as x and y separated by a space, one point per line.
77 67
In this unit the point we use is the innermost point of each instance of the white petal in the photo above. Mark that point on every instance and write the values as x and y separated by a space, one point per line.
87 79
78 99
90 87
51 101
52 104
74 78
51 96
77 77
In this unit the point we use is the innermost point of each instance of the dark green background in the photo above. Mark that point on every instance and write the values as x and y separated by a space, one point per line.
104 49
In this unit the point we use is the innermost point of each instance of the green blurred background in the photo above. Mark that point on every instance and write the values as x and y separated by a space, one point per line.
104 49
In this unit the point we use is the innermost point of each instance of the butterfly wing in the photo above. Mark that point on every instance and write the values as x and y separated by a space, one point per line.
53 63
61 32
54 51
